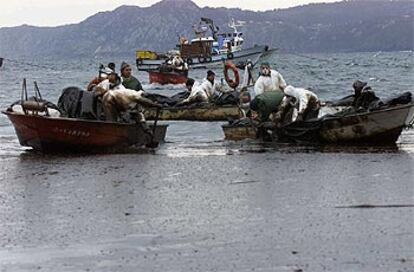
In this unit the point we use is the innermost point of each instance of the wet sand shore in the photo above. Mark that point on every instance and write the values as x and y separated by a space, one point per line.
270 211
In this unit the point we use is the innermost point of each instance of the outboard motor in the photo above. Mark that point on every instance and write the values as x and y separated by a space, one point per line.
35 105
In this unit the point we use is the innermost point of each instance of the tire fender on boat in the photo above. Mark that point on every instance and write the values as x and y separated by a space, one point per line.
233 83
201 60
189 61
230 56
208 59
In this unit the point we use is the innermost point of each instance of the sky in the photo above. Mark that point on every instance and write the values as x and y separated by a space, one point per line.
60 12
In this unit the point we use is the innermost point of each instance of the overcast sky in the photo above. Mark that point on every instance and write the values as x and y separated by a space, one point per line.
59 12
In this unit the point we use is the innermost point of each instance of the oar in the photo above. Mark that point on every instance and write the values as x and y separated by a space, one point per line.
153 143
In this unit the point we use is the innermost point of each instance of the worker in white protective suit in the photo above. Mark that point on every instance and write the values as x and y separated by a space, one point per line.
309 104
116 98
204 92
269 80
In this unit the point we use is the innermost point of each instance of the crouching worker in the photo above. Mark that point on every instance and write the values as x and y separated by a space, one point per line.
117 99
309 104
196 94
120 100
266 103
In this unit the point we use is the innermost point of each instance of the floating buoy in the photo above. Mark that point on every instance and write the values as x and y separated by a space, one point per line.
233 83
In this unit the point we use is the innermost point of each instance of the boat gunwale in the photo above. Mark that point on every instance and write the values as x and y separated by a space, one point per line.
329 117
73 119
199 106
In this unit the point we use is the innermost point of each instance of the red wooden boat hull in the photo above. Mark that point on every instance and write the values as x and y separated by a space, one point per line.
73 135
167 77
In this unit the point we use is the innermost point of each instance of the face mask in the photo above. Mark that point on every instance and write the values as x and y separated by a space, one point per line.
265 72
102 75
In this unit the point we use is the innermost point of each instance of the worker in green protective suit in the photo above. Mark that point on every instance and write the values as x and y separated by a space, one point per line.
266 103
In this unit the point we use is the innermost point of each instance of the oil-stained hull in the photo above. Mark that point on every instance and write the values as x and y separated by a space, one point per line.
207 112
381 127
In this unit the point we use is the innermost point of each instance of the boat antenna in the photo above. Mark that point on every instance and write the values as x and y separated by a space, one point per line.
233 24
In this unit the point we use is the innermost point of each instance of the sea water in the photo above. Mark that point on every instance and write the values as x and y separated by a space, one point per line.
330 76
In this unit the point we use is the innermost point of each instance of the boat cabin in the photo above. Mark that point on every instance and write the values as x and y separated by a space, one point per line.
200 48
218 43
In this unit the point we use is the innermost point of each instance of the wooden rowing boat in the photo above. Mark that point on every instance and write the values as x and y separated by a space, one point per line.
378 127
203 112
57 134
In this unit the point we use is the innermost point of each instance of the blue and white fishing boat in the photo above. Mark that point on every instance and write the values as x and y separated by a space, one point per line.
207 51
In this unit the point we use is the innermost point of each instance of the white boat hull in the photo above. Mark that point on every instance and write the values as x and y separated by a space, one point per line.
240 57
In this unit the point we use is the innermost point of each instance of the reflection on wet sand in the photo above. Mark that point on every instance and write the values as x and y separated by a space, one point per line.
180 210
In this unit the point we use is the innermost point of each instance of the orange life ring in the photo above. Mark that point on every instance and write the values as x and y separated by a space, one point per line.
233 83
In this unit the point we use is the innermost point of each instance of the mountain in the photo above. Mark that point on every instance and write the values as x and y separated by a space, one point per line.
347 26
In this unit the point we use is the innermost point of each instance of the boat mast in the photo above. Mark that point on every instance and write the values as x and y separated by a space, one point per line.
234 25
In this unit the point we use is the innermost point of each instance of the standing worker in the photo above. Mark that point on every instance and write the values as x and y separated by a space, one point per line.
269 80
128 80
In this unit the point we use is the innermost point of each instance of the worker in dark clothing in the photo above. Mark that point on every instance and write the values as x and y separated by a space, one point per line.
364 96
128 80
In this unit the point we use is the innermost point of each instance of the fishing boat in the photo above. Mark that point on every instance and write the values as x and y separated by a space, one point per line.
239 132
379 127
207 52
51 134
375 127
39 124
203 112
164 78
